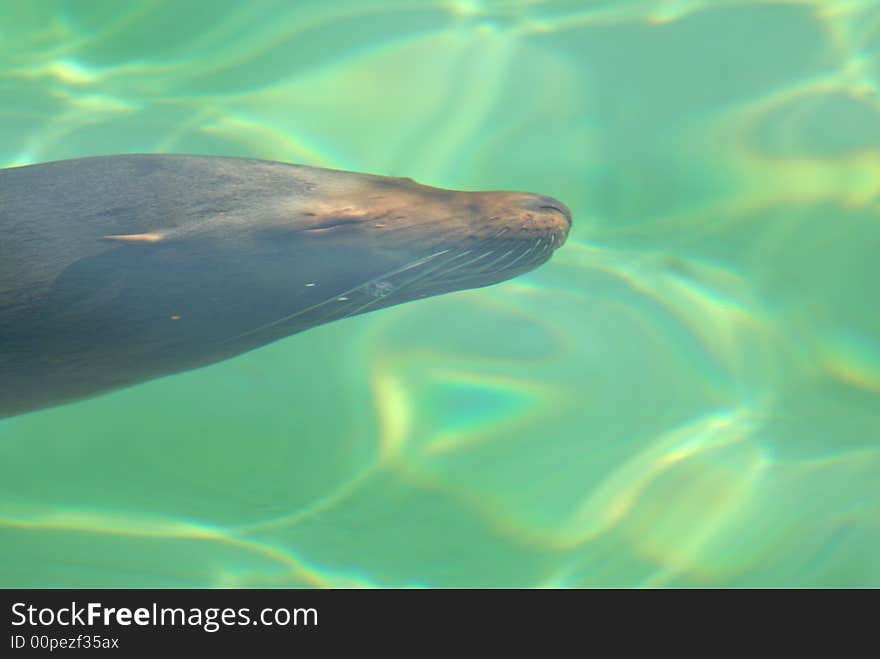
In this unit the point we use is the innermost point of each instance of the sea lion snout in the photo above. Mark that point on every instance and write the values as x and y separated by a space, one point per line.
540 202
525 216
549 216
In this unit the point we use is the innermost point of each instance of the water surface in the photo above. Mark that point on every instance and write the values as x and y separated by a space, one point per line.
687 395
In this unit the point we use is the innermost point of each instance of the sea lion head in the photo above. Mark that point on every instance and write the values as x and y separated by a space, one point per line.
246 252
376 241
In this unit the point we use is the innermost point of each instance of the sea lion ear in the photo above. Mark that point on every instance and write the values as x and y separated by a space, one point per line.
137 238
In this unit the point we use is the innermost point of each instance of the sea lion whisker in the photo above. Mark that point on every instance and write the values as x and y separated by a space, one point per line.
473 260
521 255
344 294
357 309
458 256
419 276
511 257
439 265
376 299
491 265
413 264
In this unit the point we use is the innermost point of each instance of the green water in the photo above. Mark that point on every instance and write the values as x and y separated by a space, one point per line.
688 394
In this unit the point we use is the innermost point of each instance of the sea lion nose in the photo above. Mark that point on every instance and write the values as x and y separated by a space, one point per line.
540 202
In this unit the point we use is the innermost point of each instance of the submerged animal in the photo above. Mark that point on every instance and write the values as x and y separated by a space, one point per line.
119 269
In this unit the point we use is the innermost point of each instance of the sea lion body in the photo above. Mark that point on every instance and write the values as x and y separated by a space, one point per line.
119 269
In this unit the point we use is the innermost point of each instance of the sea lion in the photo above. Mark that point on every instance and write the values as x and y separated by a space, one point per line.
119 269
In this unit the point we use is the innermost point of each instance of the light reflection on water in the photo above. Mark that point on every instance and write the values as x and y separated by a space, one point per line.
686 395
